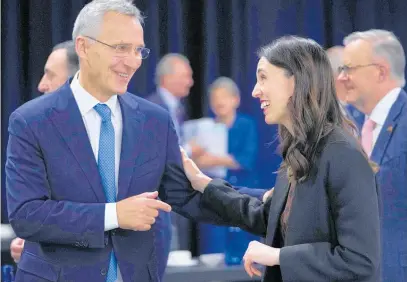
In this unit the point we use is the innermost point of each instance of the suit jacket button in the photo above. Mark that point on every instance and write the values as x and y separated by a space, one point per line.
103 271
106 241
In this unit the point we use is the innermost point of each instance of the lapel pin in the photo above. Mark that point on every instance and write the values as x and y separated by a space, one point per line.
390 129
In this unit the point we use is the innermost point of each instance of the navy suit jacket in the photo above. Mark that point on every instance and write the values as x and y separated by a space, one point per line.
55 196
156 99
390 153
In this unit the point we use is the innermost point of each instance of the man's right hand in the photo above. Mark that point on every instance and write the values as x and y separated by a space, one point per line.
16 248
138 213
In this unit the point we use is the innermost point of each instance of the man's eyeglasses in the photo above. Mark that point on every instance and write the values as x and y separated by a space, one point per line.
125 49
347 69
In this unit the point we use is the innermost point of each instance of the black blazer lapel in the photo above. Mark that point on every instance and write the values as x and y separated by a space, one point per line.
276 207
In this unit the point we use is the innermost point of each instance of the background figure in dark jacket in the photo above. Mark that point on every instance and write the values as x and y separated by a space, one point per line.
322 221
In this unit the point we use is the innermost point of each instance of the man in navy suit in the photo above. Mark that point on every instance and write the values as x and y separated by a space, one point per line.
373 74
86 164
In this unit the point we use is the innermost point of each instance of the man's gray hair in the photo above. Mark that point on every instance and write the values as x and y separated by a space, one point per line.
71 56
335 56
166 65
386 45
90 17
226 83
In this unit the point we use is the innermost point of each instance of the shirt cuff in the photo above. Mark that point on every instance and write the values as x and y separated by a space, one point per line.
111 221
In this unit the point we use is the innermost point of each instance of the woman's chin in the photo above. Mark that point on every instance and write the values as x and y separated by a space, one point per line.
269 120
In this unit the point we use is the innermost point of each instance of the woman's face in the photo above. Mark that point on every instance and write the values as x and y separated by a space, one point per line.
273 89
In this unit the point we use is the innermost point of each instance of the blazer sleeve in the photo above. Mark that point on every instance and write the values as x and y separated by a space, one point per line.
33 214
237 209
254 192
354 207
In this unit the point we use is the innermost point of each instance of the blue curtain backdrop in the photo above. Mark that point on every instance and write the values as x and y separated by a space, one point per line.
220 37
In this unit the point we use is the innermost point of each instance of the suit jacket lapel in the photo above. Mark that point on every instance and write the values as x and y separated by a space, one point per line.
67 118
133 124
276 207
390 125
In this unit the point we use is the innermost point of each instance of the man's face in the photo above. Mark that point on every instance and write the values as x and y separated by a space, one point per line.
108 70
361 78
180 81
55 72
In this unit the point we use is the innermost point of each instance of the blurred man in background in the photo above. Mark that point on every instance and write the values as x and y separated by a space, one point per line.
373 75
174 81
61 64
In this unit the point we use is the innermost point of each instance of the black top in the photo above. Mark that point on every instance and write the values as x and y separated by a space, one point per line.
333 229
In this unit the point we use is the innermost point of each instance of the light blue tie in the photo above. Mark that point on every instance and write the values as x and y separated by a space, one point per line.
106 164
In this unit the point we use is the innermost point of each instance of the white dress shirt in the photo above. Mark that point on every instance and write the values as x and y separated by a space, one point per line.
92 120
381 111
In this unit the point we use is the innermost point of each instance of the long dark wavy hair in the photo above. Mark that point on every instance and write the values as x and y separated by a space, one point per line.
313 108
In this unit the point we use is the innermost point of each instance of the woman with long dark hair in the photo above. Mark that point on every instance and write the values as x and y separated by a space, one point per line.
322 222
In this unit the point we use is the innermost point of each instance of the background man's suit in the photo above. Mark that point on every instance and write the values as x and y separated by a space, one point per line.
55 196
390 153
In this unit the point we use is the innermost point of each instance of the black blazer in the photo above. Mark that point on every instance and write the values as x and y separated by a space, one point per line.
333 231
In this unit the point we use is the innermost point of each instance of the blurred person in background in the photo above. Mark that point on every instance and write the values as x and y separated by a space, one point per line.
61 64
335 56
224 98
373 75
174 81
